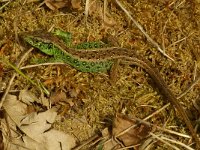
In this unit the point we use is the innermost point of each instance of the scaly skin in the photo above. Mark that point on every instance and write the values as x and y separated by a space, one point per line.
98 60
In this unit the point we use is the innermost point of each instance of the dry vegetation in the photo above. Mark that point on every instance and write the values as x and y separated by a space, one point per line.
88 102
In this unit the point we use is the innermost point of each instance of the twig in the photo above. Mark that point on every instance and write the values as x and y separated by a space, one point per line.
177 142
160 139
5 5
86 142
86 9
43 64
156 112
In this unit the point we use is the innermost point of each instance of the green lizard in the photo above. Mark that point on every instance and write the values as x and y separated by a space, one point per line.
99 60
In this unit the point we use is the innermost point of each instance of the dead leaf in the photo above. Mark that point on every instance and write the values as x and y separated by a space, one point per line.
109 21
76 4
50 140
95 7
75 91
56 4
108 145
59 140
35 124
133 136
36 128
44 101
27 97
58 96
15 109
48 82
30 109
4 46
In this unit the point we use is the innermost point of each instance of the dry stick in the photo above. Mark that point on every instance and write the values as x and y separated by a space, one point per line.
42 64
142 30
105 4
86 142
13 77
165 138
178 41
127 147
177 142
86 9
195 69
5 5
161 128
157 137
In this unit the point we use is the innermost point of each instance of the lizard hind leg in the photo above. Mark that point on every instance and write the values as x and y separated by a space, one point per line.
113 71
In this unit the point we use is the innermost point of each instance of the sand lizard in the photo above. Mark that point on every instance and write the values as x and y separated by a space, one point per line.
99 60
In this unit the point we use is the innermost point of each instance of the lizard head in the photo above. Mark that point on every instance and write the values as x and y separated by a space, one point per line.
43 41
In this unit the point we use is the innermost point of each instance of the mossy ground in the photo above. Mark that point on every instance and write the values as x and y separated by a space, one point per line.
172 24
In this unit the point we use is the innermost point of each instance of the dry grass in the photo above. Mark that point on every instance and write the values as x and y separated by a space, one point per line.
174 25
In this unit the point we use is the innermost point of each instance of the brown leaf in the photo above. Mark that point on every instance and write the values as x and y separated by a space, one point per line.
109 21
3 47
111 143
134 135
76 4
95 7
27 97
56 4
30 109
58 96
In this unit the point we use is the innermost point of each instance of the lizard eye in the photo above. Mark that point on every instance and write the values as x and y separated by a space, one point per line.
36 41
